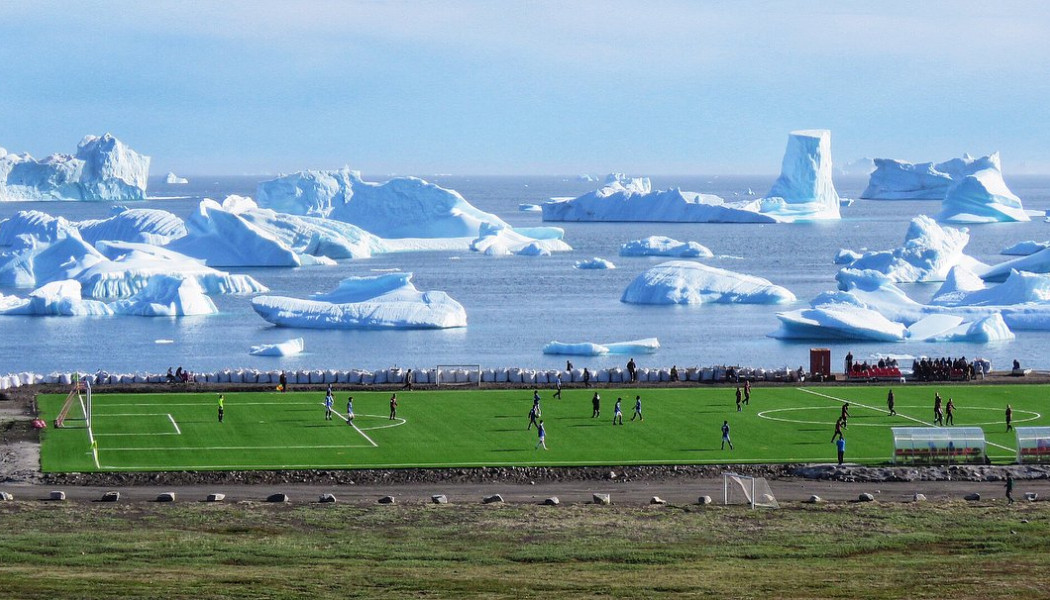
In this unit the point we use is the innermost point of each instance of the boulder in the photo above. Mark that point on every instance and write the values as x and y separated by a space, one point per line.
704 500
277 498
552 501
657 500
57 495
974 497
387 500
439 499
166 497
327 499
866 497
610 475
110 497
494 498
1031 496
215 497
814 499
602 499
919 498
6 497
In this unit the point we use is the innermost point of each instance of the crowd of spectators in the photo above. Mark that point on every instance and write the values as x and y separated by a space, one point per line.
944 369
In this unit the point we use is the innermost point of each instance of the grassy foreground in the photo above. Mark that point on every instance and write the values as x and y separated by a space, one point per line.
514 551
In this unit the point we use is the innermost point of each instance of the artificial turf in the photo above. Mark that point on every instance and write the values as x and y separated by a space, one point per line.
464 427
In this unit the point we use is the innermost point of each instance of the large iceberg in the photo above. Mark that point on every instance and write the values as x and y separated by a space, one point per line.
497 240
58 298
404 207
387 301
643 346
104 168
928 253
167 296
173 179
144 225
658 245
805 190
982 197
687 282
41 249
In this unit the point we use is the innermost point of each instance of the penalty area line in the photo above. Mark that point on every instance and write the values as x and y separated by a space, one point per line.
176 425
356 428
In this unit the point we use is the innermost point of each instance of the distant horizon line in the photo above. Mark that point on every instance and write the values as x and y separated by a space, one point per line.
368 175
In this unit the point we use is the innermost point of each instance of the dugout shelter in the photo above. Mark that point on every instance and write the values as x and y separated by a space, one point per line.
938 445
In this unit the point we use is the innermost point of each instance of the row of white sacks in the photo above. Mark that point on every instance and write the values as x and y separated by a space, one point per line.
423 376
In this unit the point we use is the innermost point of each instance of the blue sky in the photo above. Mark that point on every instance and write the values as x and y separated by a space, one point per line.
525 86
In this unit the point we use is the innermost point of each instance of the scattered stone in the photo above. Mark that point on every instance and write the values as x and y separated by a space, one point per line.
387 500
494 498
552 501
57 495
166 497
1031 496
439 499
216 497
610 475
277 498
657 500
1024 520
919 498
327 499
602 499
6 497
110 497
866 498
814 499
974 497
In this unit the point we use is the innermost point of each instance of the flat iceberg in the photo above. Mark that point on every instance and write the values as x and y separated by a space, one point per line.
839 322
593 263
58 298
687 282
404 207
982 197
499 241
643 346
104 168
173 179
387 301
167 296
902 180
658 245
928 253
286 348
529 208
805 190
143 225
1025 248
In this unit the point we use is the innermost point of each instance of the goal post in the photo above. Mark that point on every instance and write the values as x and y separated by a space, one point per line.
464 375
745 489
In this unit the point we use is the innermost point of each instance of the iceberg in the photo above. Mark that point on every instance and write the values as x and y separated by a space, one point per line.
593 263
529 208
404 207
287 348
860 166
1025 248
643 346
58 298
982 197
173 179
34 259
500 241
902 180
687 282
143 225
659 245
805 190
167 296
104 168
387 301
846 257
928 253
1038 262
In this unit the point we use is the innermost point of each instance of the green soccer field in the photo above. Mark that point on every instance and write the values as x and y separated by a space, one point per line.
465 428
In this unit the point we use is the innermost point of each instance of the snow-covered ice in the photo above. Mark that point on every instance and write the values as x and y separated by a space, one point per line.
497 240
104 168
928 253
805 190
145 225
1025 248
658 245
593 263
687 282
982 197
643 346
286 348
58 298
529 208
902 180
388 301
167 296
173 179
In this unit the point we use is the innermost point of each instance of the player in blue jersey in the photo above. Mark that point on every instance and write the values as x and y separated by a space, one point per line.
725 436
617 414
542 434
637 409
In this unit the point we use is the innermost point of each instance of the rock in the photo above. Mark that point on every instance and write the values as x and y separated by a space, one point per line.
327 499
657 500
866 498
919 498
814 499
704 500
166 497
216 497
439 499
57 495
1031 496
6 497
277 498
602 499
494 498
110 497
974 497
610 475
387 500
552 501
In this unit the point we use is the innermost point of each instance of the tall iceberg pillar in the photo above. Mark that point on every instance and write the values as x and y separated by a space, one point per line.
804 191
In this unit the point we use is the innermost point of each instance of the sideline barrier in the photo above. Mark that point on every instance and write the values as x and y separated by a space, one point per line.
932 445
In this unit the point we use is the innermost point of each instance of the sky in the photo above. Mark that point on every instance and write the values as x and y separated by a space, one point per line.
526 87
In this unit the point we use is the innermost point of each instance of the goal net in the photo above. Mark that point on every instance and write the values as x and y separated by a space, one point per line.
458 375
744 489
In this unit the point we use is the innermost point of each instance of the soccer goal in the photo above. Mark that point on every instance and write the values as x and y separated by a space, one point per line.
744 489
458 375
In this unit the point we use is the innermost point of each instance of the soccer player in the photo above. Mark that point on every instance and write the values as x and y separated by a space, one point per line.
725 435
938 413
393 406
738 398
1009 488
841 446
221 400
328 402
637 409
543 436
890 403
838 428
536 402
1009 418
616 412
596 404
349 410
533 413
747 391
557 382
845 413
282 381
949 412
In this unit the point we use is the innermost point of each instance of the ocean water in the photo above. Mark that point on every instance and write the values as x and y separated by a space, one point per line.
515 305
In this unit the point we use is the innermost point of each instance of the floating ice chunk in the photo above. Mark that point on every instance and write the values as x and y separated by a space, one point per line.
686 282
586 178
287 348
145 225
102 169
1038 262
986 330
928 253
163 341
659 245
1019 288
642 346
594 263
387 301
901 180
577 349
959 285
1025 248
31 228
846 257
804 191
167 296
934 327
839 322
982 197
499 241
173 179
404 207
58 298
529 208
219 236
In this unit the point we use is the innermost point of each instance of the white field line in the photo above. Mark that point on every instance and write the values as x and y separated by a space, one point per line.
146 434
172 419
363 434
767 414
196 448
883 410
207 403
91 435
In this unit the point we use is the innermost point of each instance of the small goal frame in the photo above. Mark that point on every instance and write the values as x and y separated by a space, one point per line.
751 487
447 375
